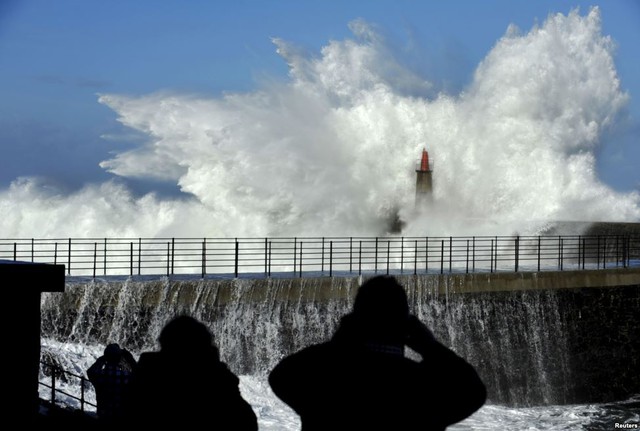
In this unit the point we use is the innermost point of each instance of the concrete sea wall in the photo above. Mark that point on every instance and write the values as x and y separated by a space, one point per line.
535 338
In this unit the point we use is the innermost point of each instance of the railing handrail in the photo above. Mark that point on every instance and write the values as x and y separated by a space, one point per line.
101 257
56 371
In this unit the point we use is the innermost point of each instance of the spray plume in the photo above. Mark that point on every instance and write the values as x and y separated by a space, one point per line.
332 151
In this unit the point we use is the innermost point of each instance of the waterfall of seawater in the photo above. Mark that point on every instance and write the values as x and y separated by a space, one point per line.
515 339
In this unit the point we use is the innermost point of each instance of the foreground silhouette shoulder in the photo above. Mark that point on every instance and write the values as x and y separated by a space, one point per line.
361 378
186 384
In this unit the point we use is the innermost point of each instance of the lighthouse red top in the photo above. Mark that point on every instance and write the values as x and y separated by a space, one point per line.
424 163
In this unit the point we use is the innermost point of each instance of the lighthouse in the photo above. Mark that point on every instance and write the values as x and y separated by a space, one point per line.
423 179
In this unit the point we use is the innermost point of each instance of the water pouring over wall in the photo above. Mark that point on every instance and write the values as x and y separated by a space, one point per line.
520 340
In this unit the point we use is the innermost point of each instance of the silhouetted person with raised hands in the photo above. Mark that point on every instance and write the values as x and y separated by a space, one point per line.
111 375
362 380
186 385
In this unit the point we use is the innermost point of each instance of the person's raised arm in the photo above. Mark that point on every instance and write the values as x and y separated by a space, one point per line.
96 367
460 389
296 379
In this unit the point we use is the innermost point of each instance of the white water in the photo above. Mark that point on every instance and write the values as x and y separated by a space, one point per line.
332 150
273 415
253 331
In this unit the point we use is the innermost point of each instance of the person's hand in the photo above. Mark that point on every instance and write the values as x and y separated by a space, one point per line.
419 336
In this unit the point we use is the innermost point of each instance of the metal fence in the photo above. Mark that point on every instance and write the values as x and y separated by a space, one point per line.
324 256
60 384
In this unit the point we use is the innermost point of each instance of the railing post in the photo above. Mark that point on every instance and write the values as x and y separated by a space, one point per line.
495 266
360 258
15 251
32 251
266 272
450 252
82 380
473 254
401 255
517 251
375 263
139 256
625 255
300 259
69 258
415 257
561 245
269 273
598 254
426 254
467 259
442 257
539 245
236 258
604 253
579 250
388 251
584 251
322 258
294 255
54 370
105 258
95 257
55 253
330 258
173 253
204 257
131 258
491 258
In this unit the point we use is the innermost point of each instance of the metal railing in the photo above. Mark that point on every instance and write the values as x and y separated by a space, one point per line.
324 256
59 387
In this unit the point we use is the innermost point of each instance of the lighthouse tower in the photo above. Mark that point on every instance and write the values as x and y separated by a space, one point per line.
424 183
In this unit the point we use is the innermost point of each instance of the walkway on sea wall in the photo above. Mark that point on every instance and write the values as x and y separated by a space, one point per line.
257 289
544 280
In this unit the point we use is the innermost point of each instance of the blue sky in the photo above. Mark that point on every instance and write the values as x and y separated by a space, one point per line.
56 57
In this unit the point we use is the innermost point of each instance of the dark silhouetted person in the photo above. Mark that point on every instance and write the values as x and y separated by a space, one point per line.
362 380
110 375
185 385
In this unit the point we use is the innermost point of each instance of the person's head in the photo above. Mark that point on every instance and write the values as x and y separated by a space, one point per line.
381 310
113 353
185 334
